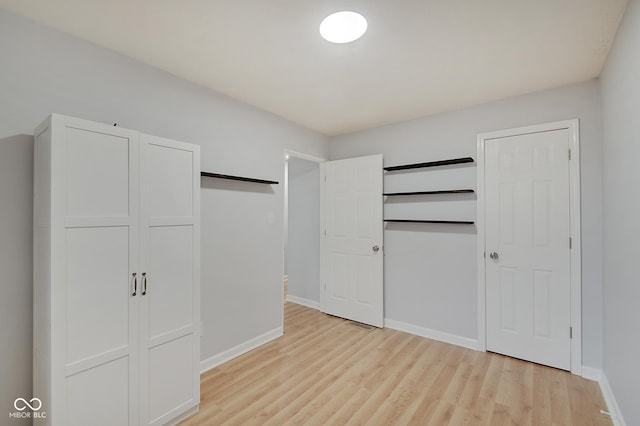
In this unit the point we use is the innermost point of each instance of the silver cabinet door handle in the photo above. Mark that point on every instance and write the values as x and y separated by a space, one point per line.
375 249
144 283
494 256
135 284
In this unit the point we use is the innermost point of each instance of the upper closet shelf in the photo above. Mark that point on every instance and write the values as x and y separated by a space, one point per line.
240 178
430 164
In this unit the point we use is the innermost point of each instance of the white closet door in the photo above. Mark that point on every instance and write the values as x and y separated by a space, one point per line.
528 262
170 268
95 166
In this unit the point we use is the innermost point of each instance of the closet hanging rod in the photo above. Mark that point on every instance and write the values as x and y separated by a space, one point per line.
431 164
240 178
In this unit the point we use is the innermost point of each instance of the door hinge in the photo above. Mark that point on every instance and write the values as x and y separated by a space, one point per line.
325 178
570 332
485 255
325 286
570 243
325 232
569 153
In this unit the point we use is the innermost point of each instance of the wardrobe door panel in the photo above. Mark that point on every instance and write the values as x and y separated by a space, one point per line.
97 291
100 396
97 174
90 353
170 258
170 171
98 167
171 378
170 291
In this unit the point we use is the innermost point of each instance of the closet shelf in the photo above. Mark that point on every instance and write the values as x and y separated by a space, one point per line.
430 164
240 178
448 191
460 222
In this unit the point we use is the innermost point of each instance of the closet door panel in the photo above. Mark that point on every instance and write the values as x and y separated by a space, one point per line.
170 289
170 257
97 174
170 170
100 396
97 291
95 192
171 378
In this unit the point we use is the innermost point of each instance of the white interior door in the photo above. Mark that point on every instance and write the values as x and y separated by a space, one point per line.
169 282
352 257
527 247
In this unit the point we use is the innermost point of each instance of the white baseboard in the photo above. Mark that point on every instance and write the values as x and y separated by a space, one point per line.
304 302
591 373
403 326
229 354
610 400
440 336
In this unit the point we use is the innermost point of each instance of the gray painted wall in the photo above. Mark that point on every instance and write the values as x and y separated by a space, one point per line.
304 229
620 87
16 207
430 270
46 71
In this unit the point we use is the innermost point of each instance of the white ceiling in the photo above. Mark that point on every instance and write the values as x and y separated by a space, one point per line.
419 57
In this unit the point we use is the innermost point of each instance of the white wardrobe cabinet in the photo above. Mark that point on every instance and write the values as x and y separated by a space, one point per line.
116 275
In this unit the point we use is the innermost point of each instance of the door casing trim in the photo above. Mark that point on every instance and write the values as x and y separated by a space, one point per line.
574 217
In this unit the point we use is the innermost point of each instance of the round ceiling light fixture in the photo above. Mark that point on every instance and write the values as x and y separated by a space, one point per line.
343 27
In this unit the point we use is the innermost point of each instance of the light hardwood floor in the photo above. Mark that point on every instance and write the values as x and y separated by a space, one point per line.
326 370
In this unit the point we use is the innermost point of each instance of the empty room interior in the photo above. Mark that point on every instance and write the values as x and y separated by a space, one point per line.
319 212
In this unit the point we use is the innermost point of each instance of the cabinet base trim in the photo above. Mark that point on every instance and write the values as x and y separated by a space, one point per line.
184 415
236 351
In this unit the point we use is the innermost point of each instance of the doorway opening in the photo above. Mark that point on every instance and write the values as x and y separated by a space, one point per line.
301 270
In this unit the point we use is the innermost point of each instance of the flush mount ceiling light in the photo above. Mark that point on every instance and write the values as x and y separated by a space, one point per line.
343 27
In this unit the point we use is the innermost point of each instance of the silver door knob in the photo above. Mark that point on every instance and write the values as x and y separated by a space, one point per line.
494 256
375 249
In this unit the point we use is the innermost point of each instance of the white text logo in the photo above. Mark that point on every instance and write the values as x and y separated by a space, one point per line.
21 404
33 405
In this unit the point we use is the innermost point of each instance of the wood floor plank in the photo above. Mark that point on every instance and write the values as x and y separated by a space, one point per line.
298 373
301 390
387 379
413 382
335 368
423 404
470 397
541 400
515 390
326 371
